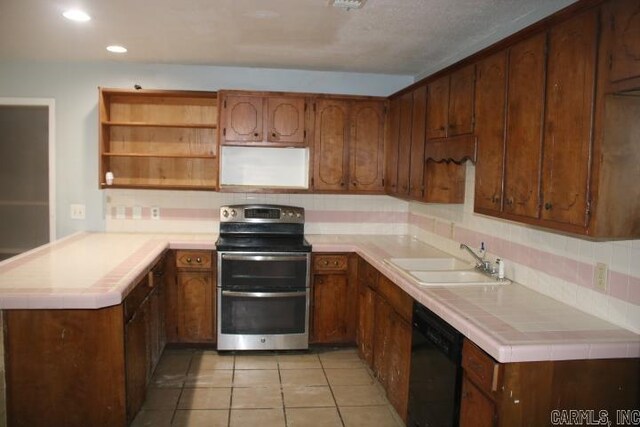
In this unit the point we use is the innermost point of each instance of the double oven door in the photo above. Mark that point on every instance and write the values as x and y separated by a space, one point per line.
263 300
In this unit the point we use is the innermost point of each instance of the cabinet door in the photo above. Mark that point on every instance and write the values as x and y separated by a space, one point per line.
286 120
476 410
461 95
621 20
242 118
437 108
333 318
196 306
568 126
489 129
366 146
524 127
399 365
416 174
404 143
366 322
382 344
391 147
136 359
331 145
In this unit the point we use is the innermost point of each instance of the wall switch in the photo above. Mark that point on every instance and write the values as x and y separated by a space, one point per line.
155 212
600 277
78 211
120 212
137 212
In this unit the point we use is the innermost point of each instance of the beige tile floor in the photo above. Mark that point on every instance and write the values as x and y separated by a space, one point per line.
324 387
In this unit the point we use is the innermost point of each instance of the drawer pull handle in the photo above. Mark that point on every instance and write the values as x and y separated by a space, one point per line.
325 262
199 260
189 260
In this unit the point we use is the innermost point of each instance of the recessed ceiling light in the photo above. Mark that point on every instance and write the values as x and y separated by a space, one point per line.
76 15
347 4
116 49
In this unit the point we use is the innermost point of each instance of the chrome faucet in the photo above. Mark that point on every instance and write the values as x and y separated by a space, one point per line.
481 264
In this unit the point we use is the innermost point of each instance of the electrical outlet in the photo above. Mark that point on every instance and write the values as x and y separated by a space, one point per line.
137 212
121 213
155 212
78 211
600 277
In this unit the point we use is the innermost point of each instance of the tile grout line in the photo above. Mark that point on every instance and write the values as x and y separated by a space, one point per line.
331 391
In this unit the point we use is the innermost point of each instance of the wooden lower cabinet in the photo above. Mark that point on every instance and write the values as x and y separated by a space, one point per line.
82 367
384 333
526 393
334 299
191 297
476 410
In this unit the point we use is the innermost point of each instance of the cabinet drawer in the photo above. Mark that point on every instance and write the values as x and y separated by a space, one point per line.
480 367
330 262
200 260
401 302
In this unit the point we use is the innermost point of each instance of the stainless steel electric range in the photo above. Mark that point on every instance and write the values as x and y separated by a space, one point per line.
263 278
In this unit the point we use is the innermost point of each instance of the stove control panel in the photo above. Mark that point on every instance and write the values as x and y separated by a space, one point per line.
262 213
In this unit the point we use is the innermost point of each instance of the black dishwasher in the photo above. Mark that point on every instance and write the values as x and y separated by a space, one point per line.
436 371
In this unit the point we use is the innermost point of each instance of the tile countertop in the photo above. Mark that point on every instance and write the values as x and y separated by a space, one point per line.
511 322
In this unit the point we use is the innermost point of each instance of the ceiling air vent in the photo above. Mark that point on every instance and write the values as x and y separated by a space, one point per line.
347 4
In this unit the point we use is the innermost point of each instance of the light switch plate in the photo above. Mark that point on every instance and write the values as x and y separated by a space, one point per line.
155 212
78 211
600 277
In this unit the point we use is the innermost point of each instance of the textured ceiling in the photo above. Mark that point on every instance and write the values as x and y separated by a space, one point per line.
386 36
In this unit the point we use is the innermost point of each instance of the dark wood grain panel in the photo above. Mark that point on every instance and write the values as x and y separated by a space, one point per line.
331 145
242 118
418 129
491 79
404 143
437 108
391 147
461 100
366 146
286 120
571 67
525 108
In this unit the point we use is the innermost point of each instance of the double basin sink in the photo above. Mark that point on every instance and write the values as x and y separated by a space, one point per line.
443 272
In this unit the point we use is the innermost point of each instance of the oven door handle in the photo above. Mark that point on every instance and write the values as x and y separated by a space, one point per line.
264 294
232 257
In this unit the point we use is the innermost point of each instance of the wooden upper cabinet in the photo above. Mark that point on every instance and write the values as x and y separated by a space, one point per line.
525 105
366 147
331 144
450 104
491 78
437 108
260 118
416 167
461 95
242 118
404 142
286 120
568 124
621 22
391 148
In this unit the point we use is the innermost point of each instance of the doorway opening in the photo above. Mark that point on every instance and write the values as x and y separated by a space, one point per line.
27 171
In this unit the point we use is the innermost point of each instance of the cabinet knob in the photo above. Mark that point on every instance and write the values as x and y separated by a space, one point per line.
325 262
342 184
509 201
189 260
548 206
256 134
335 263
274 135
354 183
198 260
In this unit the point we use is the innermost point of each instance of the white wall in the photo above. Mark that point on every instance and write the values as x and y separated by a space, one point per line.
74 88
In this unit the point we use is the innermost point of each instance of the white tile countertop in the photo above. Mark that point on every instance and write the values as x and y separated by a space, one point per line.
510 322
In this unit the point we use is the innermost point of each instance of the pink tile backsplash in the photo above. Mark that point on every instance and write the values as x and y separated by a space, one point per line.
621 285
